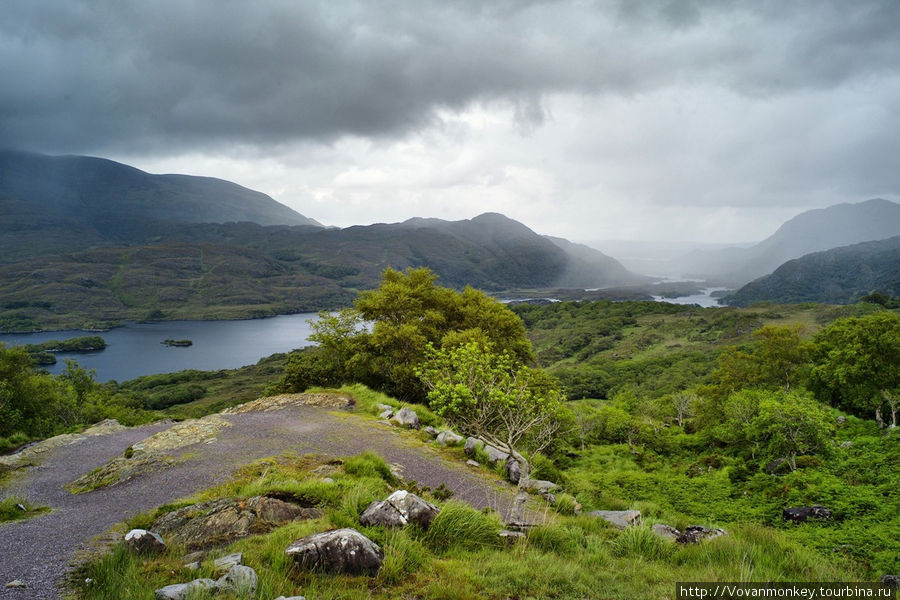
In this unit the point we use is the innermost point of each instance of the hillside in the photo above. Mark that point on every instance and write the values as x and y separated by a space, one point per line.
50 203
836 276
811 231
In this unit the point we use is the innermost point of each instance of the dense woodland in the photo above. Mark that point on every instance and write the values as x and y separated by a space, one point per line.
718 416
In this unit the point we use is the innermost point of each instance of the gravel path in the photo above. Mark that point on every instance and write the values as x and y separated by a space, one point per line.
38 550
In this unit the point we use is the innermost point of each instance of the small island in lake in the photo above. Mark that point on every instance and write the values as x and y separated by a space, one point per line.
178 343
43 354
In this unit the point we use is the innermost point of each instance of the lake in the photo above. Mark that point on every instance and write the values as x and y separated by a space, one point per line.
705 298
136 349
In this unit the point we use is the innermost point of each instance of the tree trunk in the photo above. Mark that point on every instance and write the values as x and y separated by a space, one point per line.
517 513
878 418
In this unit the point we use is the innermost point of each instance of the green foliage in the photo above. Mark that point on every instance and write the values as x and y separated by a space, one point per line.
369 464
558 539
14 508
640 542
459 525
856 359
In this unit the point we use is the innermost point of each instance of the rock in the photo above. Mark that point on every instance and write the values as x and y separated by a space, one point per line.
840 420
891 581
239 579
473 463
386 414
228 561
142 541
180 591
339 551
406 417
431 431
513 470
192 566
383 407
511 537
777 466
694 534
448 438
17 584
665 531
619 518
847 444
219 522
472 444
291 598
21 507
495 455
542 486
801 513
398 509
549 497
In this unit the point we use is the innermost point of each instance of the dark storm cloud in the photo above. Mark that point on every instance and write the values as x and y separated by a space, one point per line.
93 76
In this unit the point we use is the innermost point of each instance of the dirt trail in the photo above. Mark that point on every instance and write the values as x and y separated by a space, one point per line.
37 551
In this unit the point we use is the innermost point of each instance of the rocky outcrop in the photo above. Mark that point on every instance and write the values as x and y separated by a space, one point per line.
141 541
406 417
694 534
270 403
239 580
619 518
32 453
338 551
398 509
802 513
495 455
665 531
228 561
219 522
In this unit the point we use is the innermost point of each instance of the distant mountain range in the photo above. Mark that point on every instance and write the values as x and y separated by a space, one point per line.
810 231
837 276
91 241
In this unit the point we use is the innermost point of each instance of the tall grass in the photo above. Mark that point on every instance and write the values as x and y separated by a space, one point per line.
461 526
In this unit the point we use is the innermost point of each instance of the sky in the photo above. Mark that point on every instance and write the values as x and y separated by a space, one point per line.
704 121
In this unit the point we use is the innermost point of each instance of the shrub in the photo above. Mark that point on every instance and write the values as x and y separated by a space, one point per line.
565 504
369 464
640 542
557 539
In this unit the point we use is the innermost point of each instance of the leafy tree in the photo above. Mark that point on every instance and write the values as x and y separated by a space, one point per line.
856 360
683 404
381 341
781 354
789 424
487 394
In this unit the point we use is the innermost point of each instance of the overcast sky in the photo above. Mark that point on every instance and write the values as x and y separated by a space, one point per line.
650 119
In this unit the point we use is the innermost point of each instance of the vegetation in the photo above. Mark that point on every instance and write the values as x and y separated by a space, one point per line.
14 508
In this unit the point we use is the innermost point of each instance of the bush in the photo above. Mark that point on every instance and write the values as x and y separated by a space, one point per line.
640 542
460 525
557 539
565 504
369 464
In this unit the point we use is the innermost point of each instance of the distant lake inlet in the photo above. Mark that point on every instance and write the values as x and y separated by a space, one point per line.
137 349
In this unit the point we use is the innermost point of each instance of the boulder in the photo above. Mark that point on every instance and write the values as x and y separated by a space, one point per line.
513 470
473 463
383 407
841 420
240 580
339 551
891 581
801 513
180 591
618 518
431 431
398 509
17 584
542 486
847 444
509 538
142 541
472 444
448 438
665 531
694 534
386 414
495 455
220 522
406 417
228 561
291 598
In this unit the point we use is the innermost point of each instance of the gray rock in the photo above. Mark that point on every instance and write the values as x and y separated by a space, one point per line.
513 470
180 591
17 584
142 541
398 509
384 407
891 581
406 417
228 561
448 438
473 463
511 537
431 431
21 507
841 420
339 551
665 531
291 598
542 486
239 579
472 444
847 444
192 566
386 414
619 518
549 497
694 534
495 455
801 513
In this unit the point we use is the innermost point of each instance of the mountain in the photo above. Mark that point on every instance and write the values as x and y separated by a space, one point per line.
836 276
54 202
810 231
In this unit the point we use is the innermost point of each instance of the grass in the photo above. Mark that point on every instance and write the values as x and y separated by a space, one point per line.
17 509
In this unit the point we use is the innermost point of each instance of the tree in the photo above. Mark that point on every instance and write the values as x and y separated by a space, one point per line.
856 360
789 424
781 354
487 394
683 403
